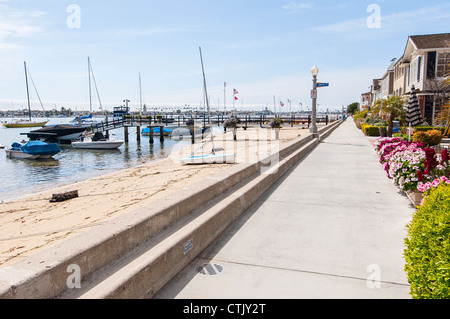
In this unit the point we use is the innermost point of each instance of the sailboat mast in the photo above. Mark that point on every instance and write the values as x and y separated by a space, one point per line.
28 91
140 93
89 76
207 103
204 85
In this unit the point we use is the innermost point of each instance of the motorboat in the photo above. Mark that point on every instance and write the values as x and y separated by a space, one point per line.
32 150
85 121
156 131
61 133
97 142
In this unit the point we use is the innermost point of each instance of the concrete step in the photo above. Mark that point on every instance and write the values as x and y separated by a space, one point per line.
146 269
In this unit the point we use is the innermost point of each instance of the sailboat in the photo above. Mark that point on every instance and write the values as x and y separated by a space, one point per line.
98 141
213 157
29 122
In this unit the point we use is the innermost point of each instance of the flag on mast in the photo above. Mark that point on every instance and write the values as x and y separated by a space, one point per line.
235 91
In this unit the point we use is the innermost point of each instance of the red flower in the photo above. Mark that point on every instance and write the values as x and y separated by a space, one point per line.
419 175
430 158
445 156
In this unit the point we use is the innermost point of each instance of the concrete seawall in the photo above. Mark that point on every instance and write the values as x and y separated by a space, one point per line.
152 241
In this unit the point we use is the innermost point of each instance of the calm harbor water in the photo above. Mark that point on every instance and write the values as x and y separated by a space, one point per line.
22 177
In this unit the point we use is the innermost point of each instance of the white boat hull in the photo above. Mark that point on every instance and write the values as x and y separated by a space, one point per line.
98 145
210 159
70 137
23 155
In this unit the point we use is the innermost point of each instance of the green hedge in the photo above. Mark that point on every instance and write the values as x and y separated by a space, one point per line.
427 247
428 128
370 130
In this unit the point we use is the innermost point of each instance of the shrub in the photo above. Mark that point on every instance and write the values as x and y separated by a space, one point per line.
404 163
427 247
431 137
361 115
383 131
428 128
358 122
370 130
401 135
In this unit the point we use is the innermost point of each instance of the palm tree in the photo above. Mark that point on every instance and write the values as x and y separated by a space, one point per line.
390 108
442 117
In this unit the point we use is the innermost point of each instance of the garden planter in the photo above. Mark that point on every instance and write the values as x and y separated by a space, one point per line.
415 197
383 131
277 132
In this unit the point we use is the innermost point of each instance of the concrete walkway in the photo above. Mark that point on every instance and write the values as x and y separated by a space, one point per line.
332 227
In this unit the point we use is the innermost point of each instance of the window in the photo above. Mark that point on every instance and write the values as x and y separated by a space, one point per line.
419 64
409 72
443 64
431 65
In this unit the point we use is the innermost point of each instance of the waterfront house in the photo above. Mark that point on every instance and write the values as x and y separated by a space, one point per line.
375 90
366 101
399 78
387 81
426 63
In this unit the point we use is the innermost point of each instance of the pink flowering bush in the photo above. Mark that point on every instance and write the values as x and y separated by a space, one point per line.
436 171
412 166
425 187
403 165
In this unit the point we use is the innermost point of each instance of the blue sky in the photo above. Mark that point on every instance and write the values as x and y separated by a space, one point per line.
262 48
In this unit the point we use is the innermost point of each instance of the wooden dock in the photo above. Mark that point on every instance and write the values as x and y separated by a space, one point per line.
246 121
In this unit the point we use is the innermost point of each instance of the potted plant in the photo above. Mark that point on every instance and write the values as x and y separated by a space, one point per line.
159 118
232 122
190 125
275 124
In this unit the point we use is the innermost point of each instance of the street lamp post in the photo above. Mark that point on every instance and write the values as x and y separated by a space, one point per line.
314 72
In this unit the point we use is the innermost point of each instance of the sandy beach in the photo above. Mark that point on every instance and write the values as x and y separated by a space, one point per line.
32 223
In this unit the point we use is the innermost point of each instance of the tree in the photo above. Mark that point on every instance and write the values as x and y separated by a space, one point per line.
390 108
352 108
443 115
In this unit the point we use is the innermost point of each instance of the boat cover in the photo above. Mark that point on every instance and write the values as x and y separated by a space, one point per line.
156 130
41 148
16 146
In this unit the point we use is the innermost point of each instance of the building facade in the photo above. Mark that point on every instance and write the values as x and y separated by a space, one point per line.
425 64
426 60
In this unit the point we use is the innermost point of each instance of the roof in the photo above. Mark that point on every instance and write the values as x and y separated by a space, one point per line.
426 42
431 41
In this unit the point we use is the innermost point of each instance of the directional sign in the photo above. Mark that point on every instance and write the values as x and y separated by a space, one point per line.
319 85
